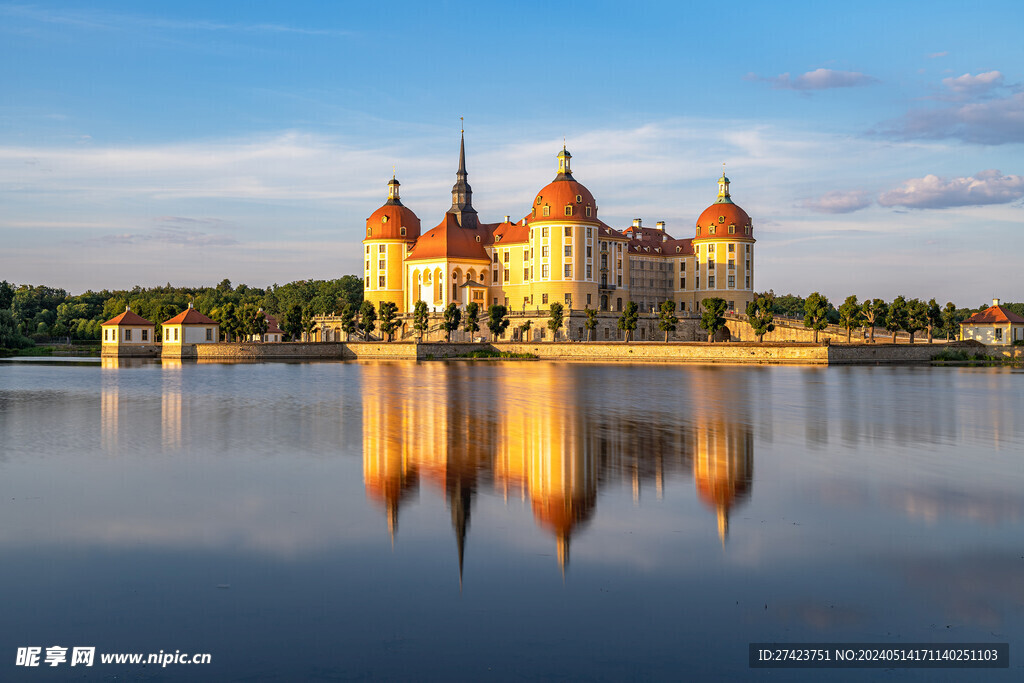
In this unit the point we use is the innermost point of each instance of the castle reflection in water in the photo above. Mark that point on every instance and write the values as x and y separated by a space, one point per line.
550 433
537 431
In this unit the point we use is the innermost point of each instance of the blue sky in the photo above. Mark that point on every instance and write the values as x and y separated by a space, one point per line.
877 148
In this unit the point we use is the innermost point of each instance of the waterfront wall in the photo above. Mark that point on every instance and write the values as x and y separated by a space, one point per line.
130 351
675 352
251 351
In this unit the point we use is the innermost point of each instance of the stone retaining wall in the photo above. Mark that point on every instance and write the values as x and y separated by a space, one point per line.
674 352
133 351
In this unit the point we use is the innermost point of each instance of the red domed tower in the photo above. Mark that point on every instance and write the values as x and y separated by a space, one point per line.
563 242
390 232
723 248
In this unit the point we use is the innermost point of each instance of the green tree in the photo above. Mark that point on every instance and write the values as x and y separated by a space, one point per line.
712 317
452 318
253 322
667 318
789 305
934 318
916 318
497 320
896 316
524 330
348 320
628 319
351 287
291 321
874 311
367 318
556 319
472 320
420 318
271 304
6 297
816 313
225 315
761 315
10 336
308 323
389 318
591 322
849 315
951 320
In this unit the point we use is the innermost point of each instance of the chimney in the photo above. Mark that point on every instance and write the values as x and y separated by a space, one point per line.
636 222
661 225
506 218
995 302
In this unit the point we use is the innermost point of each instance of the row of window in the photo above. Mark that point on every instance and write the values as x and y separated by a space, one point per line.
172 334
732 230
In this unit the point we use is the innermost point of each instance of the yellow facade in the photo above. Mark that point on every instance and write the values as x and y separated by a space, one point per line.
560 252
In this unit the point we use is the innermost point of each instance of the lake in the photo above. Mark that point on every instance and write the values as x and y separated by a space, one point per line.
503 521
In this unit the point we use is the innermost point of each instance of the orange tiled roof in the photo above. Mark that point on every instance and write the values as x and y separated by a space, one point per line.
398 216
722 215
992 315
190 316
128 318
558 194
450 240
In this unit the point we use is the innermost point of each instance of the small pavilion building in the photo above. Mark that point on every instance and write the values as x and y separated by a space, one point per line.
128 334
190 327
995 326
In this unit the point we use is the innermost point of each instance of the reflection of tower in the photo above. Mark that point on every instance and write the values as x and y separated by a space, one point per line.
723 464
389 473
547 444
426 421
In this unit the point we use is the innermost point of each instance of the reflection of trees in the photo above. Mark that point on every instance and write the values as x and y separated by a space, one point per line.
546 431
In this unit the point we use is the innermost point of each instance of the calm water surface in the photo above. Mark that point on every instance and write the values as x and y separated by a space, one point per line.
494 521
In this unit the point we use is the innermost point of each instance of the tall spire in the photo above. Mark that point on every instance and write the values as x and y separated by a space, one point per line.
462 193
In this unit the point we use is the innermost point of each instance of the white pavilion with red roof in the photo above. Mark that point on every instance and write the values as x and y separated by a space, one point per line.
995 326
127 334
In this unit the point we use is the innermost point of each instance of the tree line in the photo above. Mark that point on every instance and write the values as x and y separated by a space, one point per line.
31 314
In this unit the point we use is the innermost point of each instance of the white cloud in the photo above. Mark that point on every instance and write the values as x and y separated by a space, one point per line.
819 79
936 55
978 115
933 192
974 85
838 202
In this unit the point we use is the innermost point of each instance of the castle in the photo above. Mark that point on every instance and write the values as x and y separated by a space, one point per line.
559 252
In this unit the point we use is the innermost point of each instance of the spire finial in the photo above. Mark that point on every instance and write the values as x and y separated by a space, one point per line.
394 171
462 125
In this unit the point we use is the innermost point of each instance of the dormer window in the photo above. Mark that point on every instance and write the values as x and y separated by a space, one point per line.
568 209
732 229
478 238
747 230
698 231
538 200
547 210
711 230
383 219
579 199
401 231
588 212
369 232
